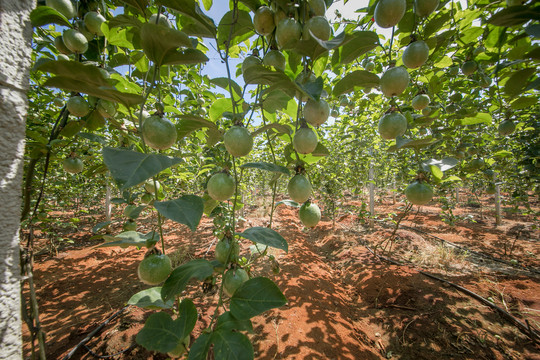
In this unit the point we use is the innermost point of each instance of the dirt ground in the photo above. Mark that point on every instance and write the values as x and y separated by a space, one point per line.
343 301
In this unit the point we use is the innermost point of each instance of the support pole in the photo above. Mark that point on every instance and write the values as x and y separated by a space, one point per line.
497 200
371 189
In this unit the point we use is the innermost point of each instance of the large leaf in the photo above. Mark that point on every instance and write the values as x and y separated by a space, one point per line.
186 210
228 322
223 83
358 78
315 48
480 118
162 333
191 9
443 165
242 28
276 127
254 297
518 81
357 44
230 345
88 79
184 57
130 238
130 168
139 5
150 299
190 123
159 41
265 236
44 15
199 349
178 279
515 15
267 167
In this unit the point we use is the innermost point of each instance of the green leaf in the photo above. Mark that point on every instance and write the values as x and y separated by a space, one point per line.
357 44
178 279
358 78
94 138
150 299
254 297
278 128
218 107
515 15
262 75
191 9
518 81
130 238
503 154
161 333
452 178
190 123
184 57
88 79
186 210
44 15
252 4
480 118
228 322
187 314
159 41
320 150
223 83
524 102
199 349
130 168
139 5
267 167
265 236
230 345
436 23
242 28
207 4
315 48
288 203
436 172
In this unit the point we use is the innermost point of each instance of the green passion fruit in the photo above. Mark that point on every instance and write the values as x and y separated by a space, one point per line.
317 7
93 22
419 193
106 108
299 188
81 27
263 21
220 186
389 12
248 62
370 66
162 20
316 112
392 125
276 59
469 67
304 78
233 279
424 8
288 32
224 248
416 54
238 141
64 7
150 187
78 106
75 41
420 101
394 81
506 127
305 140
319 27
158 132
60 46
309 214
72 165
154 269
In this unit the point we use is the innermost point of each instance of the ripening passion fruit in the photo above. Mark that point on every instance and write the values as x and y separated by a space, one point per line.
75 41
506 127
232 280
276 59
419 193
469 67
288 32
309 214
420 101
93 22
73 165
263 21
158 132
424 8
154 269
392 125
238 141
249 62
389 12
416 54
78 106
299 188
319 27
305 140
316 112
220 186
394 81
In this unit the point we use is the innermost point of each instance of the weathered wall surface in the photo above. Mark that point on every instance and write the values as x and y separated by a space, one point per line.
15 50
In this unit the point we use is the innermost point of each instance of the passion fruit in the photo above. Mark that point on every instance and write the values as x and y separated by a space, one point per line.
238 141
220 186
424 8
288 32
158 132
389 12
416 54
316 112
420 101
319 27
506 127
299 188
419 193
73 165
263 21
392 125
469 67
93 22
250 61
154 269
233 279
309 214
75 41
276 59
394 81
305 140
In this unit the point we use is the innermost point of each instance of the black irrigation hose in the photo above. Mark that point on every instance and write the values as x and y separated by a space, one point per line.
524 328
108 356
94 332
480 254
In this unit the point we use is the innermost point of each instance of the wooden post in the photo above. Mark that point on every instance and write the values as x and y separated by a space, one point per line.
457 194
497 200
394 191
371 189
107 201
